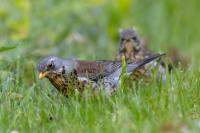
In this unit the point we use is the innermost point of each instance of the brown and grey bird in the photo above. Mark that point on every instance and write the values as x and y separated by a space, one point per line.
132 48
66 75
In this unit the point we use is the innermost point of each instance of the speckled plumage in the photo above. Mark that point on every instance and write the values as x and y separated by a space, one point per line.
67 75
133 50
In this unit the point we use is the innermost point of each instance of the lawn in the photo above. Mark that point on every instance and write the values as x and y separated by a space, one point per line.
32 30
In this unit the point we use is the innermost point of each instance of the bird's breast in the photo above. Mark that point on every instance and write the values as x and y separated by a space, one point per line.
66 84
58 81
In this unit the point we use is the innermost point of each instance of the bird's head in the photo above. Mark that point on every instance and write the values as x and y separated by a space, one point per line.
129 40
49 66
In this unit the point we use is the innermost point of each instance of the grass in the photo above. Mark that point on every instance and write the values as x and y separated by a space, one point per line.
89 30
145 109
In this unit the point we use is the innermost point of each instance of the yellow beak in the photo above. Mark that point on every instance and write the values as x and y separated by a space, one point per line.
43 74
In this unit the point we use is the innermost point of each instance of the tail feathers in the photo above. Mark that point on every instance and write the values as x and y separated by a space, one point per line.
136 65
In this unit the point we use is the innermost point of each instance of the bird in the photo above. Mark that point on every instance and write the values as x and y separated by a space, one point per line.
70 75
134 49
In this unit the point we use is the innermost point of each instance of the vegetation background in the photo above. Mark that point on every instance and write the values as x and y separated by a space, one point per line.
88 29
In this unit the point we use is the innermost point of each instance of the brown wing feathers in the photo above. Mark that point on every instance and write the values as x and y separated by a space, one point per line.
97 69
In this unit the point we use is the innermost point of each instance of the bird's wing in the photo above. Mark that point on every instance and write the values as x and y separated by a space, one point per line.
133 66
97 69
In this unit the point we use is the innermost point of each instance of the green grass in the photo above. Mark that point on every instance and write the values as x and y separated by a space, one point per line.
147 108
36 29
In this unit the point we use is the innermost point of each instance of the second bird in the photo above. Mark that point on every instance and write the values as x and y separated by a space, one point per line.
132 48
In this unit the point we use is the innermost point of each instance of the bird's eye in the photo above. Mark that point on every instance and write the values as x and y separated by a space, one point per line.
49 66
122 39
134 38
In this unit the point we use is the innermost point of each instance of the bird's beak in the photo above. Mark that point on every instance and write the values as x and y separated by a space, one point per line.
43 74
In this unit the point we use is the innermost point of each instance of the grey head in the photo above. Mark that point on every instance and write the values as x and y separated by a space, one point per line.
52 65
129 36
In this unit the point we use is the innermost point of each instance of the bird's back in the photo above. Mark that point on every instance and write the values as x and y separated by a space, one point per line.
97 69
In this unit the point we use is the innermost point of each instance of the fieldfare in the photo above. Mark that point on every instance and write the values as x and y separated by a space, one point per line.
67 75
132 48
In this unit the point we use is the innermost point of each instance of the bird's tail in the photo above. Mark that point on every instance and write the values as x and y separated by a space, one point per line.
133 66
